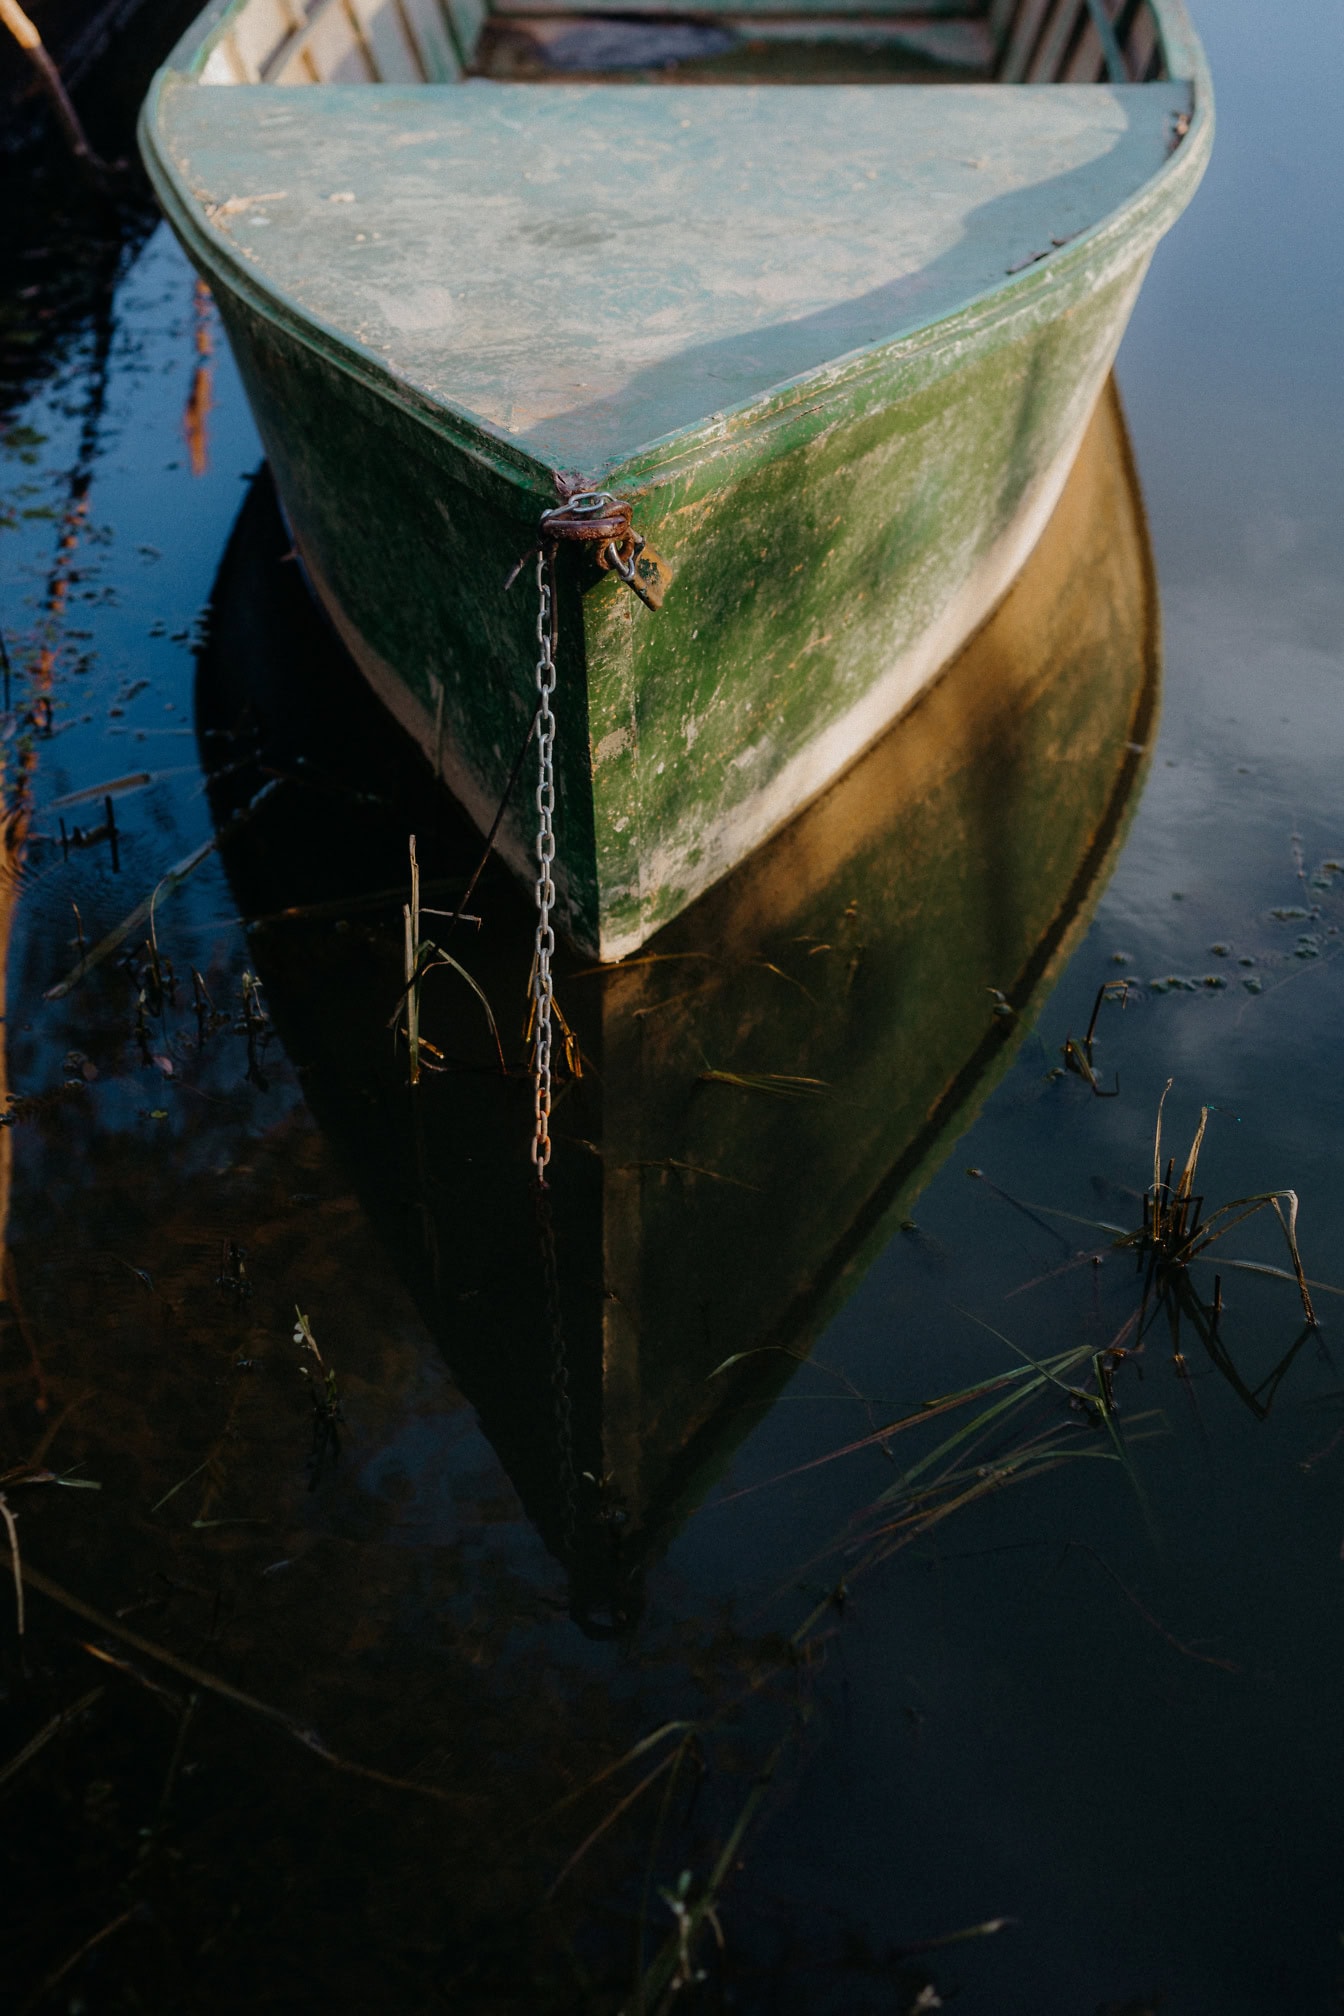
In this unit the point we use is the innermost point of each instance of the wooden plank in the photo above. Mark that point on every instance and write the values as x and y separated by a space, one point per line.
1103 13
325 49
1022 41
225 65
466 18
733 46
957 44
1056 39
1000 18
260 31
432 36
783 9
337 48
390 45
1141 42
1086 63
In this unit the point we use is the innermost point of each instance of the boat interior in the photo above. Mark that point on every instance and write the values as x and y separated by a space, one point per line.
717 41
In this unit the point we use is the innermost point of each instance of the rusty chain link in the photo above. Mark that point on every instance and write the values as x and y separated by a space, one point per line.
542 995
593 518
596 518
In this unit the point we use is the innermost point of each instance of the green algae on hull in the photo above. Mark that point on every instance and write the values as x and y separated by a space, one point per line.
837 344
699 1217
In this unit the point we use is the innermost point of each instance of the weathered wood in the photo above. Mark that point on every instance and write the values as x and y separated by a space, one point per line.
561 264
769 41
838 345
734 49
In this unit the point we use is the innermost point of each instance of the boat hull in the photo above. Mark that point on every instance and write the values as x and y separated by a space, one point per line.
765 1094
834 539
823 575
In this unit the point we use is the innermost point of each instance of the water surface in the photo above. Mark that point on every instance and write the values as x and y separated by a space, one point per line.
1078 1672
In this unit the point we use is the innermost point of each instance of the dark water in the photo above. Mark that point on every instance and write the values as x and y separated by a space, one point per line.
1075 1671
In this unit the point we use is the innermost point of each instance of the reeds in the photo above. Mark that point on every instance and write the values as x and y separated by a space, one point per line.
1078 1057
1175 1232
143 913
779 1084
328 1414
421 956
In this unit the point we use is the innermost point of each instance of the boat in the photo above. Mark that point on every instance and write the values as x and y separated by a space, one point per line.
815 302
755 1102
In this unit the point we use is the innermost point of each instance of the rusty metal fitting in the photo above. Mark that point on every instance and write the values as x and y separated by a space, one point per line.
593 516
596 519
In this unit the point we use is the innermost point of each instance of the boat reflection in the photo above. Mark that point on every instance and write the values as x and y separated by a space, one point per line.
757 1097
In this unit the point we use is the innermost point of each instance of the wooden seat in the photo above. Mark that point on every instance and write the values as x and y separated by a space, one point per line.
733 41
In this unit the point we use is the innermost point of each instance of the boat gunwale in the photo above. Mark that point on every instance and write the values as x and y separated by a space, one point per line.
748 421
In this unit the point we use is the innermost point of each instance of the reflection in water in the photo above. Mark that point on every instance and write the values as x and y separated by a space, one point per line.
200 399
12 825
762 1092
172 1851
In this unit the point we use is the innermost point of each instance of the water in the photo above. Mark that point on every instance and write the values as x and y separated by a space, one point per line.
1096 1699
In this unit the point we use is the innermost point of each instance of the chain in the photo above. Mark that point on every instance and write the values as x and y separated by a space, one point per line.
622 561
598 520
542 998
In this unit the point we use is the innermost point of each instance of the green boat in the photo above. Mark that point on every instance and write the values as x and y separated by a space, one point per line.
832 330
764 1092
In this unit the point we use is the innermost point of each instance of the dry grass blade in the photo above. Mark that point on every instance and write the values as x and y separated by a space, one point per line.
211 1683
783 1084
411 918
137 781
68 1966
11 1528
1187 1182
144 911
1246 1207
669 1972
351 906
437 957
697 1169
181 1484
928 1512
631 1756
610 1818
47 1731
1275 1273
987 1929
1179 1645
422 957
997 1412
1157 1138
1288 1221
1036 1364
879 1436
